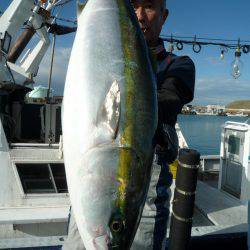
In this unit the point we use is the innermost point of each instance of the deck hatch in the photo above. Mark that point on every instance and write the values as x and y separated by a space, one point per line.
42 177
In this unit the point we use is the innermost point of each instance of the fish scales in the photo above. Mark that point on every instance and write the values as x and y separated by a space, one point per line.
109 120
136 97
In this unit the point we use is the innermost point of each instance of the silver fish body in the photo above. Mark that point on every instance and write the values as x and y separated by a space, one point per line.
109 120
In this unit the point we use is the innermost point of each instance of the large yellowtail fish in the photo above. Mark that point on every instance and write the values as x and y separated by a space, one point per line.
109 120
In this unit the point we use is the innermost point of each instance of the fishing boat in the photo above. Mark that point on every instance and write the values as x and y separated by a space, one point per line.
238 114
34 201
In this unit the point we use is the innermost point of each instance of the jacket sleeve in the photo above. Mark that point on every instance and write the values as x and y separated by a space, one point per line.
183 69
176 90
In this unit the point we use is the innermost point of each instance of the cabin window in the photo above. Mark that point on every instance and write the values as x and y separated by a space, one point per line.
59 176
42 177
234 145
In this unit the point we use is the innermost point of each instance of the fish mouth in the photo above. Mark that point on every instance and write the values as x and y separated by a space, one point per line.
100 242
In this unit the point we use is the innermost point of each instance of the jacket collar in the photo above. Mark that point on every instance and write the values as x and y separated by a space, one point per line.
159 51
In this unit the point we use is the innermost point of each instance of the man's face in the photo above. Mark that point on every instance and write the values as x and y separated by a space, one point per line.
151 17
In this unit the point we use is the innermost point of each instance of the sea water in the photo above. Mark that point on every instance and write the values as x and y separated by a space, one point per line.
203 132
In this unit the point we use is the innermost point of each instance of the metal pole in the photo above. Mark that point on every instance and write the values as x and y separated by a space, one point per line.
51 67
48 91
21 44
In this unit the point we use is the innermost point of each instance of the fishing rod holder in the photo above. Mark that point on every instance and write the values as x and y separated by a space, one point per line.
184 198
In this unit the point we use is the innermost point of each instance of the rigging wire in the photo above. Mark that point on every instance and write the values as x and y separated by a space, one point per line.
197 42
63 3
65 20
206 38
225 45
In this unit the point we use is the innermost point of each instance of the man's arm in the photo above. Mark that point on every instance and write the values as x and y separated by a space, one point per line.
176 90
172 96
173 93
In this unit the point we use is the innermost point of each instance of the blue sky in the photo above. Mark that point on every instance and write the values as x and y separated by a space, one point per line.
225 19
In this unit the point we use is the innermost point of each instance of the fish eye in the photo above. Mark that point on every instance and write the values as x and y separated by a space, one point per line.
116 226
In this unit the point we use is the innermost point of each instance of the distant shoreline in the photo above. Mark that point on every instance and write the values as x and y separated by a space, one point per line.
224 114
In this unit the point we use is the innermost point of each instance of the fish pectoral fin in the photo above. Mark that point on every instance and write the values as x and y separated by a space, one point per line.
80 6
109 114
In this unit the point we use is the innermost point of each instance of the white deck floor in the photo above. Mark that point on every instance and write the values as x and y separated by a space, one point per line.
221 208
27 215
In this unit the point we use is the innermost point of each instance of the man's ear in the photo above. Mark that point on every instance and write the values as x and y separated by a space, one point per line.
164 15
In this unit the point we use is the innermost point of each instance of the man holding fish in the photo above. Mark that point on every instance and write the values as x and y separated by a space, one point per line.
175 87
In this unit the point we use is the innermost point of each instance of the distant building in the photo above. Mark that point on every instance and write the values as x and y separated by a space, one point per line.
187 107
214 109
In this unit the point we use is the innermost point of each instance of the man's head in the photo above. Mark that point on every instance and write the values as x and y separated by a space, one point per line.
151 15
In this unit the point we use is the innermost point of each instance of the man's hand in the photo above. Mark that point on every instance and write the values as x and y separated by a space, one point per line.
161 154
166 144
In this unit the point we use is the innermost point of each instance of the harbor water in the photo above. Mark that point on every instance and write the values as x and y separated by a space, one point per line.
203 132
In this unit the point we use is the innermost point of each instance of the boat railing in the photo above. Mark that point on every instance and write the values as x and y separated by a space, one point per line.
34 145
210 163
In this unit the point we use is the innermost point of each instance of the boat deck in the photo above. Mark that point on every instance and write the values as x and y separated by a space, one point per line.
220 207
216 213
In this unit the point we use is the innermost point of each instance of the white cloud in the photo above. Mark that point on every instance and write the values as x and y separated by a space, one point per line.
61 59
221 90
